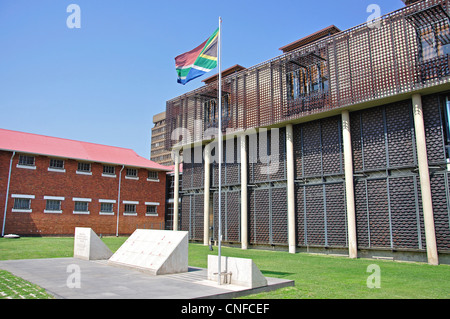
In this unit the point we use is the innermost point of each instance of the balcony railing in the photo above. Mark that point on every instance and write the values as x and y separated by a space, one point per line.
435 68
307 103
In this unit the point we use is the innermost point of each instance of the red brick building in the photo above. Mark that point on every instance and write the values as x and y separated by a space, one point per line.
51 185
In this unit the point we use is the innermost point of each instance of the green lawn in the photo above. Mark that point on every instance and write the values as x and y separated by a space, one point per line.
316 276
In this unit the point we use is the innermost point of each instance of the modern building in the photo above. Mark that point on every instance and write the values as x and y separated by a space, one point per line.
158 152
170 192
49 186
338 145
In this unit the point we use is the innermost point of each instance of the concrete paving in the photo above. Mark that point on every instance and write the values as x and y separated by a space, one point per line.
98 280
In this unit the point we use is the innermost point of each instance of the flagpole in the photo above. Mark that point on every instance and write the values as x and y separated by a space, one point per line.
219 53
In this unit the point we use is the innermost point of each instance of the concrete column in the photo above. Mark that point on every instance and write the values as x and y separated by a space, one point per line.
424 174
207 186
290 187
244 192
176 190
349 188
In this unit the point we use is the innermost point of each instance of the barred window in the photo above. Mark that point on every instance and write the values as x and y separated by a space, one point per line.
109 170
130 208
84 167
81 206
56 163
151 210
152 175
22 203
132 172
54 205
106 207
307 80
26 160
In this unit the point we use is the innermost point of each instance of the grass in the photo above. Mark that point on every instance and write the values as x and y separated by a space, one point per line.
316 276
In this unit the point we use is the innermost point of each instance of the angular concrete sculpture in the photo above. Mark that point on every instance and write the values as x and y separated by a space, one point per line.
156 252
89 246
236 271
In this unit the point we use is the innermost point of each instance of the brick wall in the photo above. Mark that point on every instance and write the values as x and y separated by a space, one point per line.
41 182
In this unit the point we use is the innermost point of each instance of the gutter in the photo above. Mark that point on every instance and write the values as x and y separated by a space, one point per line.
7 193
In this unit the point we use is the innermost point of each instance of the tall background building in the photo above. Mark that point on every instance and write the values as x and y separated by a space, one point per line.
158 151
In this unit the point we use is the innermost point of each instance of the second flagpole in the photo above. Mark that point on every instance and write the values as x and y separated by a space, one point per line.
220 145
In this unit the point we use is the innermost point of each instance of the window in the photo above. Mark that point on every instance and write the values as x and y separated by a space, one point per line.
152 175
130 209
132 172
53 205
151 210
56 164
26 160
109 170
447 124
307 80
81 206
106 208
211 111
22 204
84 167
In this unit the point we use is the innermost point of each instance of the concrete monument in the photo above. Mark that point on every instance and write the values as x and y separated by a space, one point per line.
89 246
236 271
156 252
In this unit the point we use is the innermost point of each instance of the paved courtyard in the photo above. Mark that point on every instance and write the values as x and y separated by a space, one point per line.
70 278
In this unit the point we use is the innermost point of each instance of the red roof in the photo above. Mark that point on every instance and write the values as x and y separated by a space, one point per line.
230 70
64 148
310 38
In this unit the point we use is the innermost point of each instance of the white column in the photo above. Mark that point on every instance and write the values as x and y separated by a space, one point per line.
349 187
176 190
424 175
290 187
207 186
244 192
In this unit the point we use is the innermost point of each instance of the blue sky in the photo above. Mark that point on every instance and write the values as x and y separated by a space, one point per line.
102 83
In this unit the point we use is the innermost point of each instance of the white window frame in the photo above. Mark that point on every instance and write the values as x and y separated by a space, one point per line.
22 196
56 169
107 201
153 204
153 179
112 175
83 200
84 172
128 202
58 198
132 176
25 165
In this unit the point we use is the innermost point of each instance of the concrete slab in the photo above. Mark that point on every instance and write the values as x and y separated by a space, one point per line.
88 246
157 252
99 280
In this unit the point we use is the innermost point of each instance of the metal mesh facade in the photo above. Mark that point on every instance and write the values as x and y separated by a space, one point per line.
351 67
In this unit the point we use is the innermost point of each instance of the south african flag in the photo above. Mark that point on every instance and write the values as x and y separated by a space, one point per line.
195 63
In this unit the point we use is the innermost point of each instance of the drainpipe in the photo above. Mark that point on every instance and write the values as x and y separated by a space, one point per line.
7 193
118 201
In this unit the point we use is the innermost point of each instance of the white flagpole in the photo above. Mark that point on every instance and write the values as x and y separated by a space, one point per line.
219 274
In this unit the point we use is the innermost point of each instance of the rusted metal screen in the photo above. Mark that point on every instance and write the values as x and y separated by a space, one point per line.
353 66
